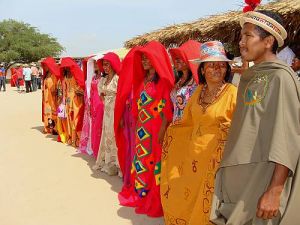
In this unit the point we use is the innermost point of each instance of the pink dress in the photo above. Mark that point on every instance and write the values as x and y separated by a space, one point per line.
85 140
97 110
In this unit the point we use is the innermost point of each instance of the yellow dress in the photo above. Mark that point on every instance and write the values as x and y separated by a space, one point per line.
191 155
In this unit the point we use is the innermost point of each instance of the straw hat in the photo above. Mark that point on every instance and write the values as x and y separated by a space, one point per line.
266 23
211 51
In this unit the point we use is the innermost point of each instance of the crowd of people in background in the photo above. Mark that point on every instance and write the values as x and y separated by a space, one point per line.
26 77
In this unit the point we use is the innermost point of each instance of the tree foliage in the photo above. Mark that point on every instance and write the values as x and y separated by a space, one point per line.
21 42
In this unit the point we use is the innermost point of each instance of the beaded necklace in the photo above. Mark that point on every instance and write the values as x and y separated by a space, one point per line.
215 94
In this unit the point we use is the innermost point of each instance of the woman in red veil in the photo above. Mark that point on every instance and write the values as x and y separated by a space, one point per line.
75 85
153 81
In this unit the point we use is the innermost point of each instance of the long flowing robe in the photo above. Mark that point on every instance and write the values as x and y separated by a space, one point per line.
50 93
151 102
50 102
107 155
125 122
191 155
265 131
97 111
75 86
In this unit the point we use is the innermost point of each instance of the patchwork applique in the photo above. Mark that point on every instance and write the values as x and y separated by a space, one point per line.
139 167
144 116
145 98
256 90
141 151
142 133
139 184
157 172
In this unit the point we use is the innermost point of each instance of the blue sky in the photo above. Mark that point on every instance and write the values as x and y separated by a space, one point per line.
84 27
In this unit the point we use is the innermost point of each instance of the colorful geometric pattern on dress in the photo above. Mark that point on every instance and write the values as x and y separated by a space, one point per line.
142 133
145 98
157 172
144 116
141 151
180 99
139 167
256 90
139 184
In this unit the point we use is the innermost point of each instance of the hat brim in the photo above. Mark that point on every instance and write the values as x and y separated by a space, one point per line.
211 59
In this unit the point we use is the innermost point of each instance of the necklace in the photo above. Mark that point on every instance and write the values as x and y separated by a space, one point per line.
214 95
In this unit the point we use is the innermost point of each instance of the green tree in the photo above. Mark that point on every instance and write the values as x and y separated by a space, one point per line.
23 43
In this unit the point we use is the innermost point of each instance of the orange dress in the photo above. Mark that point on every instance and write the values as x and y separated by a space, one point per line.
74 104
191 155
50 102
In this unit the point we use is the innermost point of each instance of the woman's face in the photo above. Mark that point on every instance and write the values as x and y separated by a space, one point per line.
296 64
179 64
146 63
67 72
214 72
107 67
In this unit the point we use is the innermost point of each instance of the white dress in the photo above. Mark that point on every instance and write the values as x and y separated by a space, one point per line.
107 159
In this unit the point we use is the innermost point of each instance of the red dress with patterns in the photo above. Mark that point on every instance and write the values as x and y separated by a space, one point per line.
151 102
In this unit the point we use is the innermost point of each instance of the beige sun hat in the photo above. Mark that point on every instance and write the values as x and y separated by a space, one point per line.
266 23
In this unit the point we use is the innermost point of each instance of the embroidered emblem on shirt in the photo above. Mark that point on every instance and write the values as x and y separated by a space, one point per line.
256 90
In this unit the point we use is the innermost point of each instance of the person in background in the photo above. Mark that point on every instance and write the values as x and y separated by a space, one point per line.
39 78
2 78
286 54
237 69
27 78
187 76
296 66
34 75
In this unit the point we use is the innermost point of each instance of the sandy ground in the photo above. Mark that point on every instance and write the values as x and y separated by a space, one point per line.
44 182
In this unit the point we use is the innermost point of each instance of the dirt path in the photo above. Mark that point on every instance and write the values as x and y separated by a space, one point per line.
44 182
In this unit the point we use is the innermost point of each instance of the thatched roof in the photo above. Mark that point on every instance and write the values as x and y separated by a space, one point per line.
224 27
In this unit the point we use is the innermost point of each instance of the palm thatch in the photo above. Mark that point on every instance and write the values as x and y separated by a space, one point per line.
223 27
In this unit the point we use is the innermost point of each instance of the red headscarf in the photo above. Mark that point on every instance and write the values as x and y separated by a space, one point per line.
52 66
68 62
114 61
123 93
187 51
160 61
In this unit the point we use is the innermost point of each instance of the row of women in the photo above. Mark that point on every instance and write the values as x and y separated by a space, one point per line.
164 134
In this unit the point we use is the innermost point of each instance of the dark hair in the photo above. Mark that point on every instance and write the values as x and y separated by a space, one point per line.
202 79
180 74
156 78
263 33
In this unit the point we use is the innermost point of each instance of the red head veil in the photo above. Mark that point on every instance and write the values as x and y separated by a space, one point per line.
52 66
68 62
159 59
187 51
114 60
123 93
